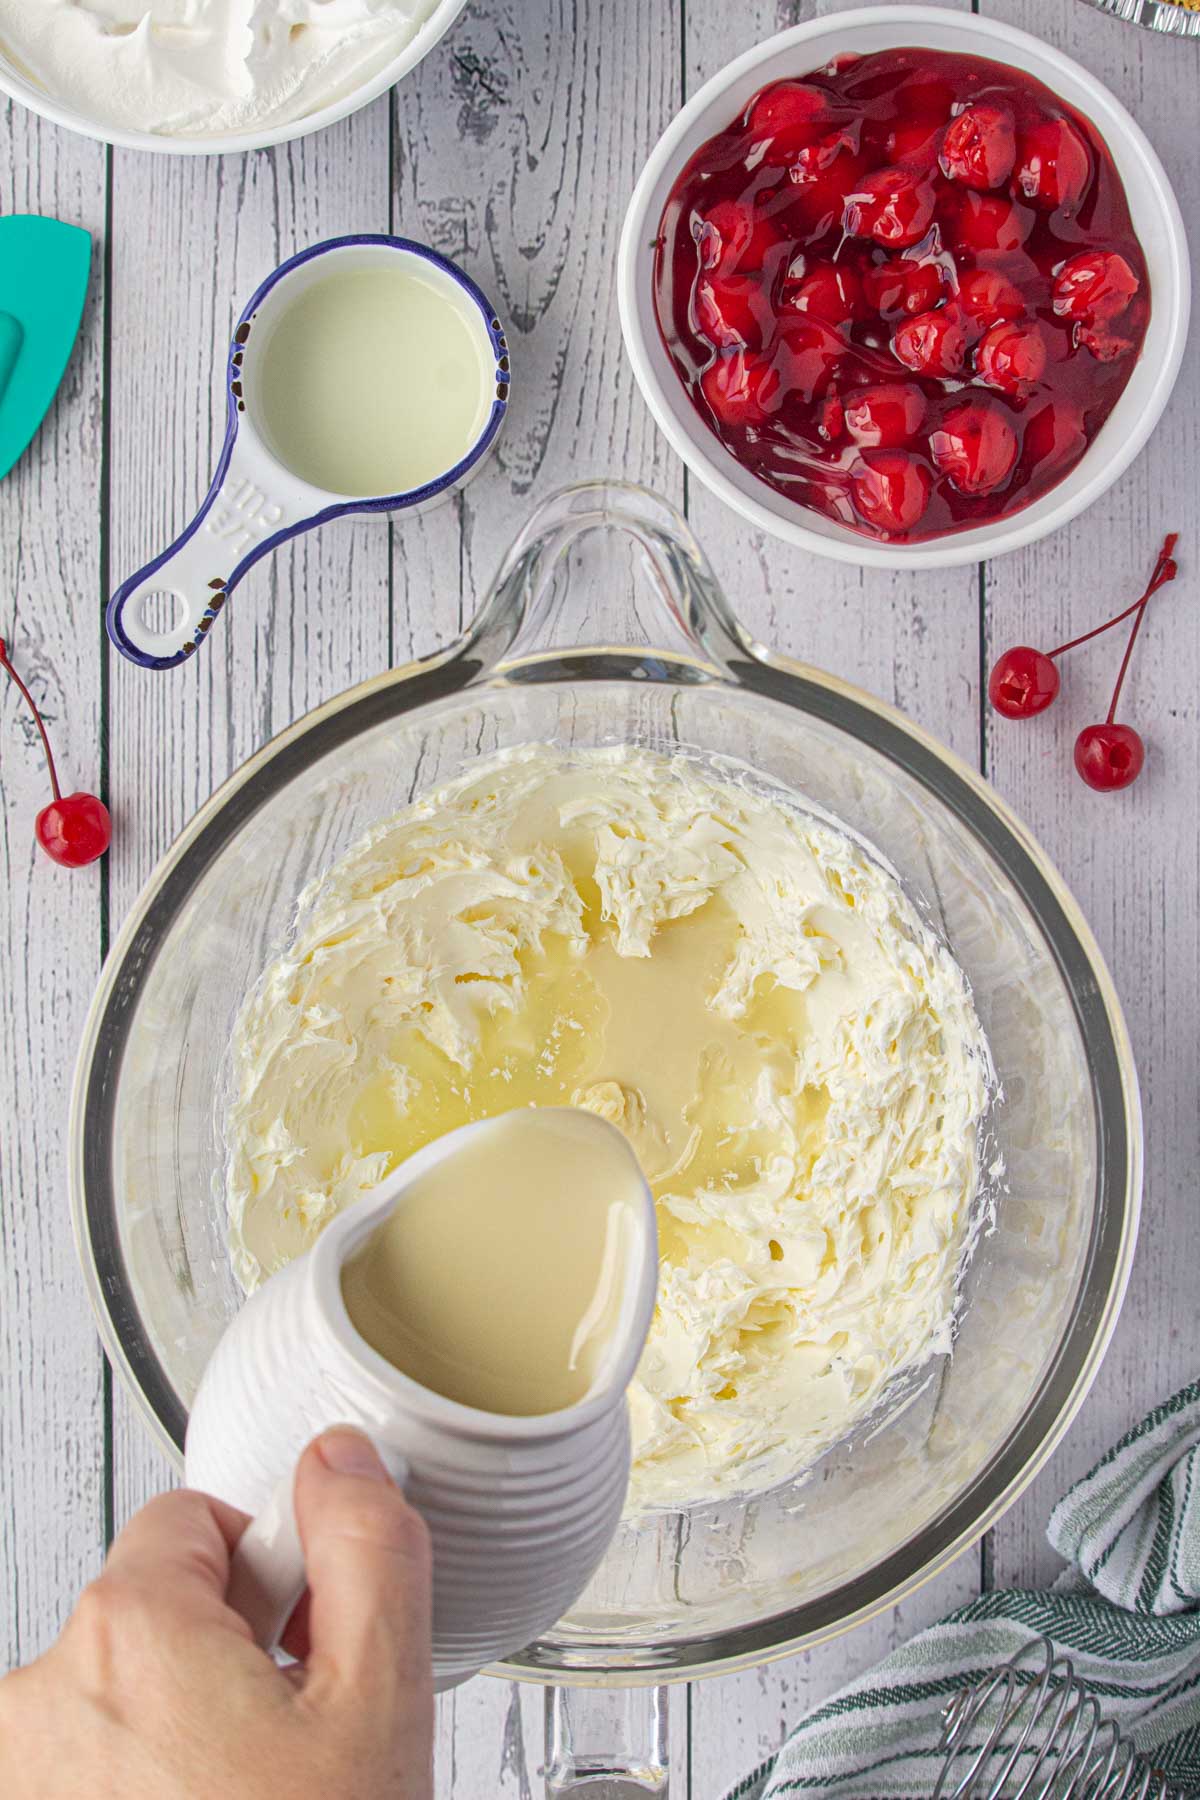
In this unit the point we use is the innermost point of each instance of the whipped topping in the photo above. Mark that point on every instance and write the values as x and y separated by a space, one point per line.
744 989
203 67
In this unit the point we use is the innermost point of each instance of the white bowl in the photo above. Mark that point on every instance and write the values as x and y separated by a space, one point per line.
1156 219
18 87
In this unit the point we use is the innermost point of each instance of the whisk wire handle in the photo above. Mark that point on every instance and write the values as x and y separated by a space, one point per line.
1076 1753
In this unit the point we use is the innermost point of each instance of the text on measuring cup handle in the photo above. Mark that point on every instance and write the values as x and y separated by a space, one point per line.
241 514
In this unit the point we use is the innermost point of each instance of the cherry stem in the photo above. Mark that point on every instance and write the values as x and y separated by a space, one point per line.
1162 574
37 717
1164 571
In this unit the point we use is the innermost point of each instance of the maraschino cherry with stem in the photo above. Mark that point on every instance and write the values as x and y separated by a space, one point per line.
1109 756
1024 681
75 828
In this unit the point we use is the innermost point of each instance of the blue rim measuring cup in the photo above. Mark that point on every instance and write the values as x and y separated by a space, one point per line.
256 502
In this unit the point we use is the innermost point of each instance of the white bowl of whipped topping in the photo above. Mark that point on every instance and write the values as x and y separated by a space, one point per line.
205 77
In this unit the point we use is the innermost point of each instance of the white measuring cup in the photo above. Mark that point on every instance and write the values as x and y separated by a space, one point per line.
520 1509
256 501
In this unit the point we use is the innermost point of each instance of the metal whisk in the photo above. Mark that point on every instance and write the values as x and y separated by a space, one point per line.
1035 1711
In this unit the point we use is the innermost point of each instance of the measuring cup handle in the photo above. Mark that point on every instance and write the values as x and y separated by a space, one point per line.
242 518
266 1572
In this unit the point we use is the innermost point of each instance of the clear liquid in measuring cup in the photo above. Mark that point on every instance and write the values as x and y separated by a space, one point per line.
498 1279
374 381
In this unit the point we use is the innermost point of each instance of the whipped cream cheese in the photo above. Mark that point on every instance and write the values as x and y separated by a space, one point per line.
743 989
203 67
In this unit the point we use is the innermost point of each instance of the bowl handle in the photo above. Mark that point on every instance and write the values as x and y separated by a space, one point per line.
610 1743
525 627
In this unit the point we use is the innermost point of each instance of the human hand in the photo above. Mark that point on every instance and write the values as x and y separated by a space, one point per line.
156 1691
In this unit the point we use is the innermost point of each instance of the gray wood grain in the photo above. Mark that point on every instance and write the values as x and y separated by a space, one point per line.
515 153
1131 859
52 1477
513 148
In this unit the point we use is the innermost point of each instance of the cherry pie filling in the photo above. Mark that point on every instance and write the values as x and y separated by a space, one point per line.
904 291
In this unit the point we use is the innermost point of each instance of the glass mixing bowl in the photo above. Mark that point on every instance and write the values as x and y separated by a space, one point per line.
554 656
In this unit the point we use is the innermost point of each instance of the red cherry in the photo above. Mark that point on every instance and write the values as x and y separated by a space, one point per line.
886 416
1054 435
731 310
829 291
893 206
975 447
1105 345
741 388
914 142
925 95
1023 682
986 222
74 829
902 287
987 296
821 177
1011 357
1097 284
1054 166
1109 756
785 117
818 157
806 358
980 147
890 490
731 235
934 343
831 420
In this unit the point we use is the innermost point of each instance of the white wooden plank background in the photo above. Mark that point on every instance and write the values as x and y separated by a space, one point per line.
52 1386
514 148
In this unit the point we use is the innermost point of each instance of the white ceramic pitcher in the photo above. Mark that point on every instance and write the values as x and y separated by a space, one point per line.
520 1509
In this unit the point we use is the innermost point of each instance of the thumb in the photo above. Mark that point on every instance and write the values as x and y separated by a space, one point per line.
367 1557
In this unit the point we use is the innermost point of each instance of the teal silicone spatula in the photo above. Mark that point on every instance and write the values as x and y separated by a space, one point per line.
43 283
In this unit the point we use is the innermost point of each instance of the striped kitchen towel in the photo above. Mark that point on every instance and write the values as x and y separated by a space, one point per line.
1126 1612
